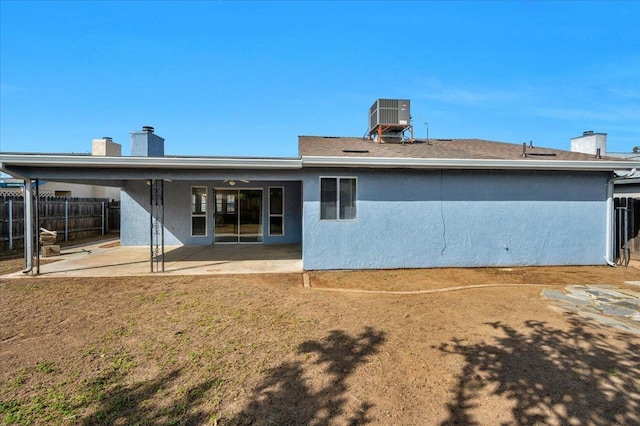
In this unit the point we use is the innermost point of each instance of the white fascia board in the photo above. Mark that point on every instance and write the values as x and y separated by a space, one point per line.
65 161
461 163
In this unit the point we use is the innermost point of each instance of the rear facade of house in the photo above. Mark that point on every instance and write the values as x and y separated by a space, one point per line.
362 203
349 212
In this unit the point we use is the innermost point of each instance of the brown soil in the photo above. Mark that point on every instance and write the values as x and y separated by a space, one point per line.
260 349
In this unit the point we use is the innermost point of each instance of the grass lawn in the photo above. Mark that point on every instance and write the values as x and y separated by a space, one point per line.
261 349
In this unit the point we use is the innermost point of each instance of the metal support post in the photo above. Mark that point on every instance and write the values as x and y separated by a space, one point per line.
151 223
28 226
37 235
156 224
162 219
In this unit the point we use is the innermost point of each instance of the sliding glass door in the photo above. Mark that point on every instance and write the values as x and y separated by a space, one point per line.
226 216
238 216
250 215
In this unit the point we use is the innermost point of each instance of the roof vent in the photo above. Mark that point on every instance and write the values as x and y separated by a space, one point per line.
389 119
148 129
587 133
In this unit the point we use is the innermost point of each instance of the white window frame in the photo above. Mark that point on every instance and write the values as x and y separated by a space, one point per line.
205 214
338 178
270 215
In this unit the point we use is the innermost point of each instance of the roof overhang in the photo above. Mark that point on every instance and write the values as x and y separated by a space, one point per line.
69 161
474 164
22 162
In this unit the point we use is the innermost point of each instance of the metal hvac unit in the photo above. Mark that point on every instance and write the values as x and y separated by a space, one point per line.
389 119
389 112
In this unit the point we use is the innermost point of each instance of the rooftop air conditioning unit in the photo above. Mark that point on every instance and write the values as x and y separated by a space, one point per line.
392 114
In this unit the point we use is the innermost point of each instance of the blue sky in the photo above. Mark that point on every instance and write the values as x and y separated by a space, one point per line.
246 78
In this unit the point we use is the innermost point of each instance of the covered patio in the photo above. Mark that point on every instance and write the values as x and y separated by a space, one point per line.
111 259
174 208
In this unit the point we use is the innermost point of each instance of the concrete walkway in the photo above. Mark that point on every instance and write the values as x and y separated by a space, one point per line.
108 259
609 305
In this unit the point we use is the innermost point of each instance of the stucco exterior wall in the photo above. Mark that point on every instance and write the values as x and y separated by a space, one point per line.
415 219
134 227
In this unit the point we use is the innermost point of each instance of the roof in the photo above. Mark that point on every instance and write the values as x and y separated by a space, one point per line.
318 151
319 146
324 152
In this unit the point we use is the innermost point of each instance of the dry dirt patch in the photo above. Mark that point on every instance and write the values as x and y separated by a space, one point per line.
262 350
425 279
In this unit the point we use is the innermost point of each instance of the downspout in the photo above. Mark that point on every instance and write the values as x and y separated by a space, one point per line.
28 226
608 257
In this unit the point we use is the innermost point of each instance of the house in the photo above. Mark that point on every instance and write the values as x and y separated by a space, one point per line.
458 203
355 203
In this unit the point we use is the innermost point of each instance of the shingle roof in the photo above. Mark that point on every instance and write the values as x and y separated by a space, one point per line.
322 146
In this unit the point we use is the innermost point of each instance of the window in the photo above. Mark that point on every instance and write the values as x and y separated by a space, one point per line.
337 198
276 210
198 211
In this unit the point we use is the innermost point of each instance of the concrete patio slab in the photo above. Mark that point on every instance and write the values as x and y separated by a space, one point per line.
110 259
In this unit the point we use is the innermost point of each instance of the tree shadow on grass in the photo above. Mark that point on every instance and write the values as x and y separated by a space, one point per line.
149 402
549 376
286 396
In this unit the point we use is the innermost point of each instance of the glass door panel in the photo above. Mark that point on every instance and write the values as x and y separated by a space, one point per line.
238 216
250 215
226 216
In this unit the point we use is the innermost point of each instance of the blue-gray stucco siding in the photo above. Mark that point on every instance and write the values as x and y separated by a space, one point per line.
135 207
416 219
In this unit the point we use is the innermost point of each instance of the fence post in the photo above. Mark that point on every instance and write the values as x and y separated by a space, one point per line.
103 211
10 224
66 220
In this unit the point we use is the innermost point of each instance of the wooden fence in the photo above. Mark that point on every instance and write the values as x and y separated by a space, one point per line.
73 218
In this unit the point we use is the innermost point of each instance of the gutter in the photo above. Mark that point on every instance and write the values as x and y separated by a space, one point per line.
466 163
60 161
608 257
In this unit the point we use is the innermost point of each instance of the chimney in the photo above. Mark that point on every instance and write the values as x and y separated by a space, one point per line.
590 143
105 147
146 144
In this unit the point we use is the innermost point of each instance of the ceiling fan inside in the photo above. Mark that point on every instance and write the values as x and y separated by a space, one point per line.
232 182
